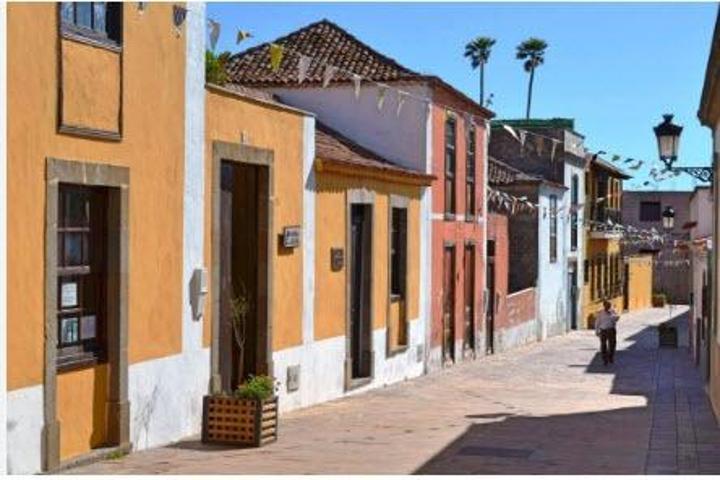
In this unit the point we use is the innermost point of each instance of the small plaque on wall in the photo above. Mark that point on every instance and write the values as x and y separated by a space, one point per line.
337 259
291 237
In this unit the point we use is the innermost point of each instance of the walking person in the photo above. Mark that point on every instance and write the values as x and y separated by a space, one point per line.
605 322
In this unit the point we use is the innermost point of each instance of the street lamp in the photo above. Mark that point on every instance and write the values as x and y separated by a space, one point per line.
668 217
668 139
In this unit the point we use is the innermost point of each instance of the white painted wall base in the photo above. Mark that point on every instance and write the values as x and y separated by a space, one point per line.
322 367
516 336
166 398
24 430
434 359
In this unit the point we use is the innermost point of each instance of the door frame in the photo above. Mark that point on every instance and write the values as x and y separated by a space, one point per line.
451 247
235 152
117 180
470 245
361 196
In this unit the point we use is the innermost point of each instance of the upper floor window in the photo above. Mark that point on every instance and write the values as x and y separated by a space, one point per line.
574 227
650 212
450 163
470 173
101 21
553 228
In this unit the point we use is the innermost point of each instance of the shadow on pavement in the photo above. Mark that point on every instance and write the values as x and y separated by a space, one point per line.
675 432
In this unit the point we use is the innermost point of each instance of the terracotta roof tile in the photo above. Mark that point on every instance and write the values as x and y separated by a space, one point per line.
326 43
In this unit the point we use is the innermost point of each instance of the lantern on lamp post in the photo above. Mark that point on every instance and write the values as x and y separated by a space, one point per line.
668 141
668 218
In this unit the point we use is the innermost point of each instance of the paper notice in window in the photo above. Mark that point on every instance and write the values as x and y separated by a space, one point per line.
87 327
68 295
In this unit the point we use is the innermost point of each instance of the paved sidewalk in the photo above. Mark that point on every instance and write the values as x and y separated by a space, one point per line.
548 408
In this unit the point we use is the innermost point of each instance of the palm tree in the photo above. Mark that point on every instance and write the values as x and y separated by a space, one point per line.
478 51
532 51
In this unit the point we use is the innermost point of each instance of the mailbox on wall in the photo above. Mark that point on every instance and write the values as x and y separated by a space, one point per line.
291 237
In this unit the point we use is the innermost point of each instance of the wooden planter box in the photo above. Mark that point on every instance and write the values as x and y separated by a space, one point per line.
234 421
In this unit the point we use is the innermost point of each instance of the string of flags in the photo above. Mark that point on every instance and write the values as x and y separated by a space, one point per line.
279 52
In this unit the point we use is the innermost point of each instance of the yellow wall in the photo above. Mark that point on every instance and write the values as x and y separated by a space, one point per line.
153 69
595 246
227 117
331 218
640 282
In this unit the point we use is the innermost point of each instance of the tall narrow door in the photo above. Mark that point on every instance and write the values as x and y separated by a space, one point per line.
573 290
449 304
360 274
469 270
490 316
626 288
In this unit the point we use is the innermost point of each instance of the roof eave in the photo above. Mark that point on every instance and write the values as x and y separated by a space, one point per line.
709 111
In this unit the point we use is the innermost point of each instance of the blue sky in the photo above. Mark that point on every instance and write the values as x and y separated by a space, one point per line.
613 67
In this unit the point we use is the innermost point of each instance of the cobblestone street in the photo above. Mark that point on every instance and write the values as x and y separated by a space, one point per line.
549 408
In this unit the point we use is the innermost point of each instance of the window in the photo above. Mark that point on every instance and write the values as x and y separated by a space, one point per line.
553 228
82 228
470 174
574 185
450 160
650 212
398 253
101 21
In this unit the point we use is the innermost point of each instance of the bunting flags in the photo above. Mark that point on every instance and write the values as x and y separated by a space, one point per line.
356 82
276 56
242 35
382 90
179 14
400 101
552 151
511 131
214 33
328 74
303 67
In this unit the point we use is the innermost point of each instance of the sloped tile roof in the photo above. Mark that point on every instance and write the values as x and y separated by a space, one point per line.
326 43
333 146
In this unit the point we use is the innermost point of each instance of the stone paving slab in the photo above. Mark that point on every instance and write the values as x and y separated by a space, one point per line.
548 408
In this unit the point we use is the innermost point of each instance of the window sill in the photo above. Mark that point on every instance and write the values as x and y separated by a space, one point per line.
77 36
450 217
86 132
78 362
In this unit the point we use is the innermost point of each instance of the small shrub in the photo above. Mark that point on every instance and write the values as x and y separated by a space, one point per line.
659 300
116 455
261 387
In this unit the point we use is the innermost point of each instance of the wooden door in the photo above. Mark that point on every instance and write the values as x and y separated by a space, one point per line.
469 290
360 299
490 317
449 304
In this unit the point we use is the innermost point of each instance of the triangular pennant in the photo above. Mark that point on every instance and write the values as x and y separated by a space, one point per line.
242 35
276 56
356 83
512 132
523 135
303 67
328 74
214 33
382 90
615 158
400 101
552 150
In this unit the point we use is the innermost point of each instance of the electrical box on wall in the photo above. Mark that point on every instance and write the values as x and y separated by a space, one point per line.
293 378
199 290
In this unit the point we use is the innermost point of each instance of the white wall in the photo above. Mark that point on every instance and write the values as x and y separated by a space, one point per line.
552 277
579 254
398 138
24 429
700 207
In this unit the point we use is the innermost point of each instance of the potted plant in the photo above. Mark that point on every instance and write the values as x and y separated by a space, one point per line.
249 415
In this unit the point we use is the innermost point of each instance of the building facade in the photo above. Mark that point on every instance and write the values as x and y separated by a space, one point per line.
671 270
105 132
443 135
604 268
550 150
699 246
709 115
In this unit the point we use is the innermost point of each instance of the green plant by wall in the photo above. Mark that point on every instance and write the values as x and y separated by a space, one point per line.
260 387
215 65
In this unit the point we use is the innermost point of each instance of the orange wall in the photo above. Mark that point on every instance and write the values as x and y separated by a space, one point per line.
331 219
153 69
226 117
640 282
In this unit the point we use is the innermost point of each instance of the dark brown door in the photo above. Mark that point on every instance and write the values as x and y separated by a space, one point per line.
626 288
490 317
449 304
469 270
243 272
360 275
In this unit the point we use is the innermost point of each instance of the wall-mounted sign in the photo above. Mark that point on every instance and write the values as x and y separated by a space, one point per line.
291 237
68 295
337 259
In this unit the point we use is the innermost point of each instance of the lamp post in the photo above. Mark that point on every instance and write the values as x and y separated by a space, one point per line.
668 217
668 138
